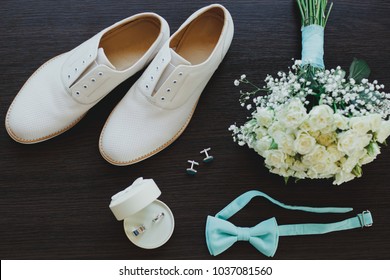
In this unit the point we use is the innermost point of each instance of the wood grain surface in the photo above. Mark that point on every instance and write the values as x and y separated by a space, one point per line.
54 196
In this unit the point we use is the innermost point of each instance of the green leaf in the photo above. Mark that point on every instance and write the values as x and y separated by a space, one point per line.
370 149
357 171
274 145
359 70
297 180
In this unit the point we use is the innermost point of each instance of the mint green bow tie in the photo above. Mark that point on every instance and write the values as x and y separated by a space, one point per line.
222 234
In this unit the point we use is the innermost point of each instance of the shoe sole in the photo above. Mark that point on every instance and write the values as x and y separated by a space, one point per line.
38 140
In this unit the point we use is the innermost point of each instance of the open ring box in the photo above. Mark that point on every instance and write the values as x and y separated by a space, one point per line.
139 207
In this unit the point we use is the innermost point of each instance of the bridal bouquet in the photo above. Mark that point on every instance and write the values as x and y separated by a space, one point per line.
311 122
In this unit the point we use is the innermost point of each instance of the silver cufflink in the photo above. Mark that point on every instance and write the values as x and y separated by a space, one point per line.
191 170
208 158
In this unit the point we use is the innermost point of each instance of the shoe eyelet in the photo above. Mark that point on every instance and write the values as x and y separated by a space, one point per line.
76 69
85 86
77 92
162 98
174 81
181 74
93 80
68 76
157 68
168 90
162 60
90 55
100 73
151 78
83 61
147 86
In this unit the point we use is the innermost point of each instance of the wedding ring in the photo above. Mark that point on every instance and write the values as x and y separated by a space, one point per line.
158 217
139 230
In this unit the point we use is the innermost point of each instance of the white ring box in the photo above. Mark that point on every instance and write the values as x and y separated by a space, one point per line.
137 206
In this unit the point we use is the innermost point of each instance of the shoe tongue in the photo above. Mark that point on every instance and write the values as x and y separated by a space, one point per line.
102 59
177 60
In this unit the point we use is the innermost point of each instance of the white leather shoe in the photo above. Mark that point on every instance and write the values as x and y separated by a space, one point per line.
63 89
161 103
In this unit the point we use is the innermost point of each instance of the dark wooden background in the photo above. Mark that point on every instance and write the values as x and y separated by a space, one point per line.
54 196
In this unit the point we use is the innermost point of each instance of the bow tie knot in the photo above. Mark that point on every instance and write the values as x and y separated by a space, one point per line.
243 234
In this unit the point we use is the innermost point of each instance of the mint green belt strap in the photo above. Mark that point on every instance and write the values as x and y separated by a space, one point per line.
221 234
361 220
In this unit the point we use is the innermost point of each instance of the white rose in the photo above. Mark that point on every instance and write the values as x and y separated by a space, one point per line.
352 161
324 169
320 163
383 132
293 114
361 125
311 174
305 126
300 175
340 121
315 134
366 159
375 121
282 172
290 161
298 166
264 116
327 139
328 129
320 169
304 143
285 143
275 158
317 155
263 145
365 140
343 177
320 117
334 153
276 130
260 132
333 169
350 142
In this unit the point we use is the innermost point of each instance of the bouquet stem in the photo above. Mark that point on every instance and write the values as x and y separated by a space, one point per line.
314 15
314 12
